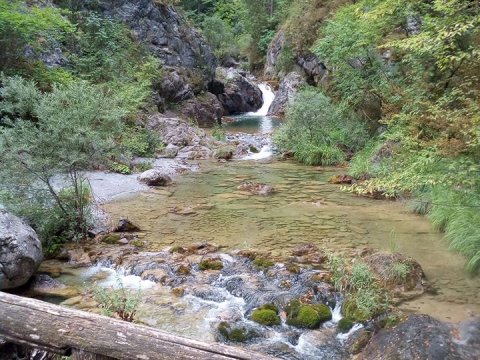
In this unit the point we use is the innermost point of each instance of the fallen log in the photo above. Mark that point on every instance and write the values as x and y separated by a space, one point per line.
68 331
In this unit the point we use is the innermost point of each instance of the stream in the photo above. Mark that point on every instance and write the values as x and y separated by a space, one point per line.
305 208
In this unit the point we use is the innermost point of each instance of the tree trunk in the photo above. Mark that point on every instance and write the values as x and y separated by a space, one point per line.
63 331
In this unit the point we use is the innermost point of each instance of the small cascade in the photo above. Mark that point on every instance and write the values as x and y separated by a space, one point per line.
264 153
268 96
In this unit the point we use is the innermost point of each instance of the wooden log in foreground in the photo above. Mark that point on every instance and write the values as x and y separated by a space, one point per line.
63 330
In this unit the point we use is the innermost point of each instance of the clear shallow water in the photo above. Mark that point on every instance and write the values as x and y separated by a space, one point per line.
252 124
306 208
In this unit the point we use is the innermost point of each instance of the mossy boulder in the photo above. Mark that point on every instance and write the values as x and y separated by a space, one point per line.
266 315
235 333
307 316
224 152
210 265
344 325
262 263
111 239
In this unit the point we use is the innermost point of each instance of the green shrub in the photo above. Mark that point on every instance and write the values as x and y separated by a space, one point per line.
139 141
73 131
318 131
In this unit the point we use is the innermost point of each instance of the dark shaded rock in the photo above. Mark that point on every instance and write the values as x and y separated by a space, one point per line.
315 71
20 251
125 225
171 87
286 93
422 337
205 110
240 95
357 341
155 177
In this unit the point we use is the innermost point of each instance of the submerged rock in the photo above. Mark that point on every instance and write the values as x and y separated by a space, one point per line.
20 251
257 188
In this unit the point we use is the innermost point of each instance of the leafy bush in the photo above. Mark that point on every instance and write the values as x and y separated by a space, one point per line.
43 161
318 131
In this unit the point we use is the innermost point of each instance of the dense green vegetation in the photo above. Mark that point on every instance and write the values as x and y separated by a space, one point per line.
410 70
238 29
323 137
56 122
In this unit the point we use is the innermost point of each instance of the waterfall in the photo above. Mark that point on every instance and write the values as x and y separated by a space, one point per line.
268 96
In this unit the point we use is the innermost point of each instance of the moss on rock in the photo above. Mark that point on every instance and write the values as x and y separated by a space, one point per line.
266 316
262 263
111 239
306 315
210 265
350 310
235 334
344 325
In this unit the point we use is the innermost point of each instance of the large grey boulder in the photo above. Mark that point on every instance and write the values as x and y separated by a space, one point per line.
155 177
236 92
286 93
20 251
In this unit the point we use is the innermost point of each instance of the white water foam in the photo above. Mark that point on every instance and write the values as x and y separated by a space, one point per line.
343 337
117 278
264 153
268 96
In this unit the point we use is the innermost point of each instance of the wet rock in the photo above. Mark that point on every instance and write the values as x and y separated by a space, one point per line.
79 257
422 337
286 93
342 179
225 152
235 333
211 264
155 177
203 248
125 225
357 341
182 211
123 241
240 95
266 315
257 188
308 254
156 275
20 251
45 286
308 316
111 239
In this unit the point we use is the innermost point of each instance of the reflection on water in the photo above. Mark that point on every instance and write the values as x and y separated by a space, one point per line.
252 124
306 208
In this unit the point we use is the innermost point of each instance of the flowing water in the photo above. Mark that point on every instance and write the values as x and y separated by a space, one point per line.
304 209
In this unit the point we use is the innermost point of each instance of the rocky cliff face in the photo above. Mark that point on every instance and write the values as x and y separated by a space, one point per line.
163 30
